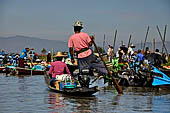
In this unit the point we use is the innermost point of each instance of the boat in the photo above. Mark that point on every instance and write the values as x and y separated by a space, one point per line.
23 71
146 77
73 91
2 69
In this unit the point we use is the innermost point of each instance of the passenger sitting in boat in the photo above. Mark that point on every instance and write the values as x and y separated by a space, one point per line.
58 69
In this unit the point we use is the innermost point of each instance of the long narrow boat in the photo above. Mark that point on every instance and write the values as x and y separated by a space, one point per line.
2 69
77 91
23 71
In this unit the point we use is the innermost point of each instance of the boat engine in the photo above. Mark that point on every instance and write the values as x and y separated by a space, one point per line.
84 78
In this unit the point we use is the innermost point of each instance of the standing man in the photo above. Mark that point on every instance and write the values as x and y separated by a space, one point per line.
109 53
140 57
22 55
49 57
81 43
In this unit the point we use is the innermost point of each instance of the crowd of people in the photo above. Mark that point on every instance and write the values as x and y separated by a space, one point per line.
130 56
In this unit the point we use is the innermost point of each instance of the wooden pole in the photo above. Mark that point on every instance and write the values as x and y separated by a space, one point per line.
122 42
104 43
114 41
145 38
52 52
164 38
141 44
129 40
119 90
162 41
153 45
153 42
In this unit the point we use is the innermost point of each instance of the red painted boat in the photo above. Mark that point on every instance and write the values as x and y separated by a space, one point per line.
2 69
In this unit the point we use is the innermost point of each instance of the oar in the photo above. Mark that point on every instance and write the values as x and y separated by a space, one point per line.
119 90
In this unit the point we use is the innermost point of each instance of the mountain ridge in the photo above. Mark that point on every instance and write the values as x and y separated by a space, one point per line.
18 43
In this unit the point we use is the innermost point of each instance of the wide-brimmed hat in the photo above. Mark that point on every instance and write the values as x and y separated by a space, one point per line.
60 54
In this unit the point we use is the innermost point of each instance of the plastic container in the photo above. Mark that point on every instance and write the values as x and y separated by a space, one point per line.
70 85
57 85
61 86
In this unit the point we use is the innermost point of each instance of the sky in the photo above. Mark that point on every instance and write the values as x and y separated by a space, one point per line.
53 19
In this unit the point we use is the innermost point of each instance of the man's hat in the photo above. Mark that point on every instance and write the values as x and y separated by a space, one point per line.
78 23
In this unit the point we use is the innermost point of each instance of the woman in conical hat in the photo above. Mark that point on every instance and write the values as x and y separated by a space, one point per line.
58 68
60 54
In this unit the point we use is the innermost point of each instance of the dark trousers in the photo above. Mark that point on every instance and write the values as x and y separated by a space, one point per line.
91 62
21 63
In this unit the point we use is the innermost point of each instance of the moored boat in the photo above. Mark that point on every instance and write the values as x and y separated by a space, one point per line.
2 69
23 71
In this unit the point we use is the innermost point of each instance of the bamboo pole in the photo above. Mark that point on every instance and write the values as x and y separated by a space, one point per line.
104 43
141 44
122 42
153 45
129 40
145 38
52 52
162 41
114 41
119 90
164 38
153 42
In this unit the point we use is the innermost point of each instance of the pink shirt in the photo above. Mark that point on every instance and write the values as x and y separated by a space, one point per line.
58 68
80 41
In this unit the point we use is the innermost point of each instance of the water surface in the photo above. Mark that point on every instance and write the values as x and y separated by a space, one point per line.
29 94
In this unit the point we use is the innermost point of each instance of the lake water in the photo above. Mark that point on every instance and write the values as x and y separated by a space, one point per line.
31 95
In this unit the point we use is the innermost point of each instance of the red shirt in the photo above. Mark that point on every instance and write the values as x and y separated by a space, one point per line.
58 68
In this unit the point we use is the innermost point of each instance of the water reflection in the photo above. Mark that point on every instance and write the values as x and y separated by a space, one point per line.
64 103
56 102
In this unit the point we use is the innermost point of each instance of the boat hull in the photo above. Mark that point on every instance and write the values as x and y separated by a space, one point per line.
77 91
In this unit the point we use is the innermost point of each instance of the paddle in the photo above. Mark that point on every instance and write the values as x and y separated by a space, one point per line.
160 80
119 90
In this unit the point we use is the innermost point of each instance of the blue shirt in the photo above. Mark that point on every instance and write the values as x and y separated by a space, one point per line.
23 53
140 57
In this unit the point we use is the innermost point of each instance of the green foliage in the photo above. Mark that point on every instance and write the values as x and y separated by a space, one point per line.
167 64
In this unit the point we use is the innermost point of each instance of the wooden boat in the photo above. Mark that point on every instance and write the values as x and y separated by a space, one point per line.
2 69
77 91
145 78
23 71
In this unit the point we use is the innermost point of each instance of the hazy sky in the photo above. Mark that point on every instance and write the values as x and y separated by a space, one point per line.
53 19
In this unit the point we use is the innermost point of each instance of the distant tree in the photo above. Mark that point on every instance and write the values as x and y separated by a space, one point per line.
44 51
101 50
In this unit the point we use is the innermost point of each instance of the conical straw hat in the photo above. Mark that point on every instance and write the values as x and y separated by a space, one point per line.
60 54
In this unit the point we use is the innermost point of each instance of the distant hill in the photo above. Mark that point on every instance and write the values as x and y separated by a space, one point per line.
18 43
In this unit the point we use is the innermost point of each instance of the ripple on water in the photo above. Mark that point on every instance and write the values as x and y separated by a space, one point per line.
31 95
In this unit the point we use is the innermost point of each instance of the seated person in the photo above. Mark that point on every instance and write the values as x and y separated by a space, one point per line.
58 68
